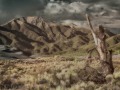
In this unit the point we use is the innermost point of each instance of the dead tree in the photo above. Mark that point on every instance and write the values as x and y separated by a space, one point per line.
105 55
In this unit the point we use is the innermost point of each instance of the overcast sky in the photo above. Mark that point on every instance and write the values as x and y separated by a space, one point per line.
17 8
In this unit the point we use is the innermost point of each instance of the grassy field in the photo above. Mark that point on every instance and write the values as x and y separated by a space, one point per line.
53 73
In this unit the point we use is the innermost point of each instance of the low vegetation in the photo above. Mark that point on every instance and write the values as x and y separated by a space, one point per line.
54 73
63 69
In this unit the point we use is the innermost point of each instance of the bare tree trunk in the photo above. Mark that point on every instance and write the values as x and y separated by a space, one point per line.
104 54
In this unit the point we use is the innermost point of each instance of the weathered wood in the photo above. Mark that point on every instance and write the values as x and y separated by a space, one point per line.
100 45
89 56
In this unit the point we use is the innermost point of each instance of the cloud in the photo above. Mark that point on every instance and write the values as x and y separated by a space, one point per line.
16 8
75 7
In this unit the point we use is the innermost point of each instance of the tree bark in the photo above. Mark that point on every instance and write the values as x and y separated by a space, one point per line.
105 55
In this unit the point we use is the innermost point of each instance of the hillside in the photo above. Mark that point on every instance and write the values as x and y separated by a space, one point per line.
32 35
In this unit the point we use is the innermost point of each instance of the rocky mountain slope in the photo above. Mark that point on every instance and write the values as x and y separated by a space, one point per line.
33 35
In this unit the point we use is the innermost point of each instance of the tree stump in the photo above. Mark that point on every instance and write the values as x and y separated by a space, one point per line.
104 54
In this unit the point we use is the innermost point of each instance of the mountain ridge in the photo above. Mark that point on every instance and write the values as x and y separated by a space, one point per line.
33 35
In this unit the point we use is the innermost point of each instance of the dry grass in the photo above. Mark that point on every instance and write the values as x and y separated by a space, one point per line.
52 73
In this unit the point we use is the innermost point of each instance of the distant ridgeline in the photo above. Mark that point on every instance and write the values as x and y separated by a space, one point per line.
33 35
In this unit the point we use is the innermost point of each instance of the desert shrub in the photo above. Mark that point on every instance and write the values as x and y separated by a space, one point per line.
9 84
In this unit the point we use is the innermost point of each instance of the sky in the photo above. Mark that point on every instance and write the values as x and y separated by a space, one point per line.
17 8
